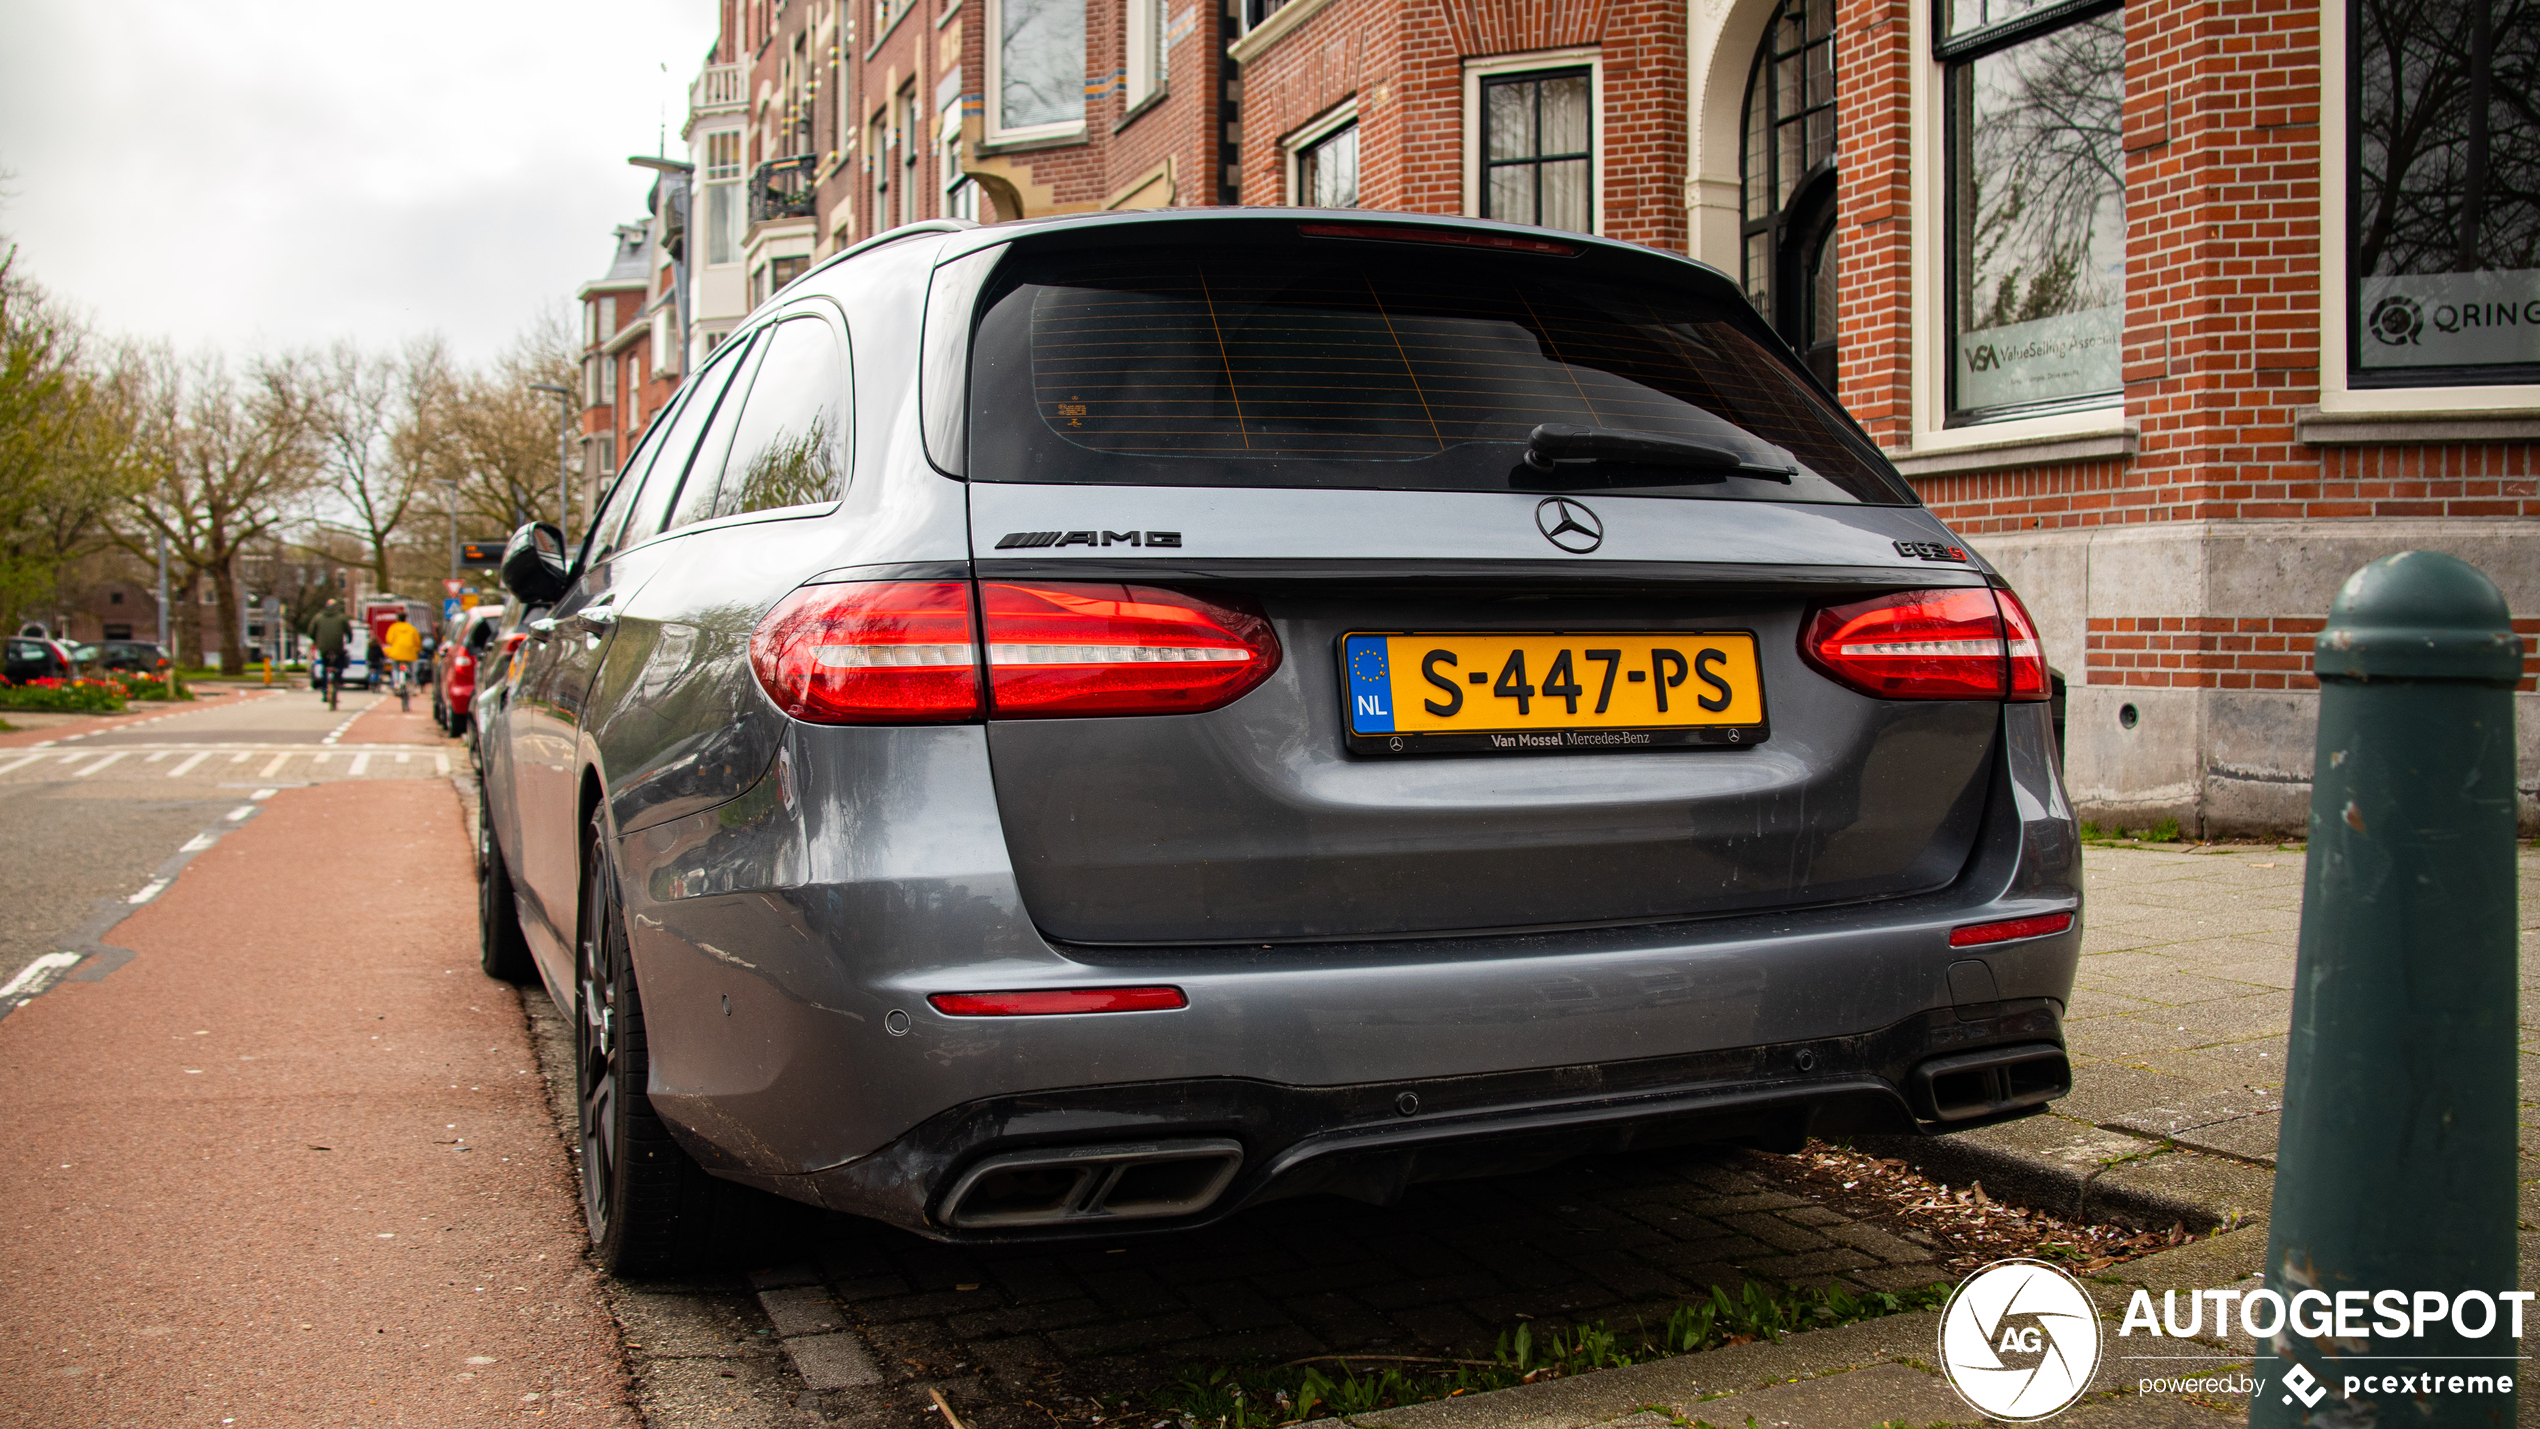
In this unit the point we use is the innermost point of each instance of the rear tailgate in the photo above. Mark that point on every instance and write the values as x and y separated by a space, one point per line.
1258 822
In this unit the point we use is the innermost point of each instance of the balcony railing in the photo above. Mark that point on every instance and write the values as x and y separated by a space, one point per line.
782 188
718 87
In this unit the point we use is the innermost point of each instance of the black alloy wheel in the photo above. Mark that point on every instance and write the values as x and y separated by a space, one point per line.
502 950
649 1207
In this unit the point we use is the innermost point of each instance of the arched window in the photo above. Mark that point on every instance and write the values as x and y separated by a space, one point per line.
1787 178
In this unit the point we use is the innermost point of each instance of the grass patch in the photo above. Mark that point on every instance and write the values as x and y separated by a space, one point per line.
1255 1397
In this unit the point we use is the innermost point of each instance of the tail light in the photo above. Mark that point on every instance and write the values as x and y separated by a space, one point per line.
2029 680
514 641
883 652
1069 649
1970 643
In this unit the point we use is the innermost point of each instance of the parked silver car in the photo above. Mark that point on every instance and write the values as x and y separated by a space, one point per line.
1092 724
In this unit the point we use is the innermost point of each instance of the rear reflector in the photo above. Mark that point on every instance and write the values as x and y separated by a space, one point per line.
877 652
1969 643
1058 1001
1976 935
1086 649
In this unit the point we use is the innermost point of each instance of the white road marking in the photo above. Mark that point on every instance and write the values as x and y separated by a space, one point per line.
361 762
199 842
238 758
155 758
75 756
100 764
35 972
190 761
241 812
273 768
402 758
149 890
22 762
263 794
440 764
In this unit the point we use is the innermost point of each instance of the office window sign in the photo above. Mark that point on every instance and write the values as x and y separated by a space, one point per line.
2040 360
2451 319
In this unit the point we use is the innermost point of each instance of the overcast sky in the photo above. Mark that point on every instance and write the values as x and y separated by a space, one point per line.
277 172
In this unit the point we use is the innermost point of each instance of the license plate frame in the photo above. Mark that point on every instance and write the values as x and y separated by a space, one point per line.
1385 728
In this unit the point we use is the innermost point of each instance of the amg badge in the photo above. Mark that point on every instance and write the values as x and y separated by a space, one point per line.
1015 540
1931 551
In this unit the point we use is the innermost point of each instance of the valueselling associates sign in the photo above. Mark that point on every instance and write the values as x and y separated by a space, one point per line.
2451 319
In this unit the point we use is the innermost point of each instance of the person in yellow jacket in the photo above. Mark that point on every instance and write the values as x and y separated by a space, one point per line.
403 646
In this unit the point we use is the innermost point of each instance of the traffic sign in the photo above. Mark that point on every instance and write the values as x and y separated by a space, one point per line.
452 585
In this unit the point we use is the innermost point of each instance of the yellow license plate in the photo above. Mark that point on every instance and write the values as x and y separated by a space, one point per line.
1558 693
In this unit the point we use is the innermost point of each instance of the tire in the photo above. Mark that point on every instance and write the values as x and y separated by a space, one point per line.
502 950
649 1206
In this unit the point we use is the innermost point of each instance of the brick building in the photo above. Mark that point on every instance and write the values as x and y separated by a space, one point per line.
629 318
2181 310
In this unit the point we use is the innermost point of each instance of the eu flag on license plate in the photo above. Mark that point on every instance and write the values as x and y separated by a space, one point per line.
1370 686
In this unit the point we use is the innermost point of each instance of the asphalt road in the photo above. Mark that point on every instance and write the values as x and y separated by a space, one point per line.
93 812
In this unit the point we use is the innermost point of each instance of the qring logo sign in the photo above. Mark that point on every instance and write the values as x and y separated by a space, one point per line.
2020 1340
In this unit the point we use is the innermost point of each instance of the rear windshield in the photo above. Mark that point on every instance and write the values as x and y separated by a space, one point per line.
1383 366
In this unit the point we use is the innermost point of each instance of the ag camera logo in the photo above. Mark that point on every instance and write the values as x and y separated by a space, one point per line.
2020 1340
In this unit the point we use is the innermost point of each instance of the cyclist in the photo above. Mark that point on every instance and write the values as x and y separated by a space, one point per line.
405 646
329 634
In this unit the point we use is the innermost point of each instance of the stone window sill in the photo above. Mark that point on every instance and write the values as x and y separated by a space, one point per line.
2024 451
2314 427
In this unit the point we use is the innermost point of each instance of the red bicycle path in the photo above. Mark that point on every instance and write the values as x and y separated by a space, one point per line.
292 1164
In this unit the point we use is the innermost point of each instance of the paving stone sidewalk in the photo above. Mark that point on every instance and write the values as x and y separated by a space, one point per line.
2177 1031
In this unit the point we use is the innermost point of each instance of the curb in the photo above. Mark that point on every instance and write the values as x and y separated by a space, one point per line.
2083 1172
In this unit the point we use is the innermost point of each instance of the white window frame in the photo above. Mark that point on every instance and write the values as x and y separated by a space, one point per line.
992 22
740 183
1927 126
1144 40
1314 131
2335 396
1475 71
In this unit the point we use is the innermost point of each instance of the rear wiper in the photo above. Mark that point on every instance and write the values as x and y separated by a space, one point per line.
1560 441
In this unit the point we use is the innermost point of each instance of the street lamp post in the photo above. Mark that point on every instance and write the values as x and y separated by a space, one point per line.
454 523
564 457
676 182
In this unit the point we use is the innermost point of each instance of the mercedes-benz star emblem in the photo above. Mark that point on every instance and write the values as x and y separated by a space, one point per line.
1569 525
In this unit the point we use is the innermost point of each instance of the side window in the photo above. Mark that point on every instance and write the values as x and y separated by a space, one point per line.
695 501
679 442
790 448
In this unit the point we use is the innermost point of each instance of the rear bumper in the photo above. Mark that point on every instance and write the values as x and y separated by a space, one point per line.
1372 1140
787 943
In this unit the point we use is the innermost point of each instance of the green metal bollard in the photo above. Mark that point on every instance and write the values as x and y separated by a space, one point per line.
2395 1168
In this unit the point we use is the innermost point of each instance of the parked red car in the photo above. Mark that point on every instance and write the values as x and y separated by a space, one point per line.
465 640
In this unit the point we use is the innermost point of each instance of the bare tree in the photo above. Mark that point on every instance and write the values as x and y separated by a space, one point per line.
234 452
385 437
65 445
502 435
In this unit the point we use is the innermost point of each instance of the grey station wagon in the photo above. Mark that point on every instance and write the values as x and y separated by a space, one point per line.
1092 724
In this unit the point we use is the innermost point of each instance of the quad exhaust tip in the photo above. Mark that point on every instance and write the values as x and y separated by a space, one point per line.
1060 1185
1995 1080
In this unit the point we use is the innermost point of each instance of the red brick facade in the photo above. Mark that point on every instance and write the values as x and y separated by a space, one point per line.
1402 63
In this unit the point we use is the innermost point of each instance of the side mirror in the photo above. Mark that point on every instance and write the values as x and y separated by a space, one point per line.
533 564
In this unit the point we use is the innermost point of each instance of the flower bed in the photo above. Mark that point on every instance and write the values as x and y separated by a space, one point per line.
70 696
